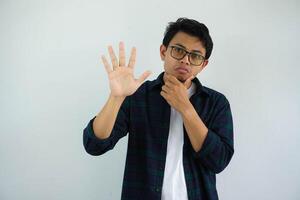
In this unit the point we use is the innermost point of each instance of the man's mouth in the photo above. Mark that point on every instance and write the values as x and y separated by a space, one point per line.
182 70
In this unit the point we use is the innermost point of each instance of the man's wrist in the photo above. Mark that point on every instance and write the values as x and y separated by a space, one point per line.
187 110
117 98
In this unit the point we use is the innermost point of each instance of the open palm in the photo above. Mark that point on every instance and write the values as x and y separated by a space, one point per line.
121 78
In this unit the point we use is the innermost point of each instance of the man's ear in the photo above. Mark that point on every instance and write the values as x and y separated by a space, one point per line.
204 64
162 50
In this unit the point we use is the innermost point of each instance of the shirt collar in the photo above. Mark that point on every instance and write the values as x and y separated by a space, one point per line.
159 82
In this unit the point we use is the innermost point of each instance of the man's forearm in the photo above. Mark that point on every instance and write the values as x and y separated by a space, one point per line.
105 120
196 129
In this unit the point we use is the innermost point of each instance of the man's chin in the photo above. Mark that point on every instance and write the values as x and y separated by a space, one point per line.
181 78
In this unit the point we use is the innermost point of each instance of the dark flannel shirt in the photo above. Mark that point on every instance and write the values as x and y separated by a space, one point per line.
145 115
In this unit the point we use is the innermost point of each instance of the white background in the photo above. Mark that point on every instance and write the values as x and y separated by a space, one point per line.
53 83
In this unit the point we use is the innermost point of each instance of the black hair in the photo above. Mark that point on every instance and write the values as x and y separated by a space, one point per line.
191 27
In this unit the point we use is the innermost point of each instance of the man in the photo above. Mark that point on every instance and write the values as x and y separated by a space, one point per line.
180 132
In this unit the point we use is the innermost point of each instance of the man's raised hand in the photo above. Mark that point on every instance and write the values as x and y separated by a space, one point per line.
121 80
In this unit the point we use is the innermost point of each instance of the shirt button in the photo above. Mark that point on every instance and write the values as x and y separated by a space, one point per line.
157 189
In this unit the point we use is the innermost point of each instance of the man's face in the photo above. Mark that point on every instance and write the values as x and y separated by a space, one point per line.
172 65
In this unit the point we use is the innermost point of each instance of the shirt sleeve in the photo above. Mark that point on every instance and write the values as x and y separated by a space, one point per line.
96 146
217 149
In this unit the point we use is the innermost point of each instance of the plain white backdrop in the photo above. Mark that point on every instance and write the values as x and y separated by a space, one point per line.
53 83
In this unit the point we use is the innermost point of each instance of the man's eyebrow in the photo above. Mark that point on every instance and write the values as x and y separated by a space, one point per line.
178 44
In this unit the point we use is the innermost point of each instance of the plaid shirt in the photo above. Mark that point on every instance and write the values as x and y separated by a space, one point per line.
146 116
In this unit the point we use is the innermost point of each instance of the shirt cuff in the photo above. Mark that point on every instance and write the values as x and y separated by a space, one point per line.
208 145
91 134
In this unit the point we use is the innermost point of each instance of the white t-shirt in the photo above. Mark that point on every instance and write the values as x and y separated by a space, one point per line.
174 186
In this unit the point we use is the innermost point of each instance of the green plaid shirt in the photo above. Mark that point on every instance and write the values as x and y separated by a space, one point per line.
145 115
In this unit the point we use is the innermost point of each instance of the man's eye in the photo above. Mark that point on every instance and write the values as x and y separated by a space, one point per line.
179 50
196 56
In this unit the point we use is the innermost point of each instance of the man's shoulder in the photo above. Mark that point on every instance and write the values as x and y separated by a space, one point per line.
215 95
147 86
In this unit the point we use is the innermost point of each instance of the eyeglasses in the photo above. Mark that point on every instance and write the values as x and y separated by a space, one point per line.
194 58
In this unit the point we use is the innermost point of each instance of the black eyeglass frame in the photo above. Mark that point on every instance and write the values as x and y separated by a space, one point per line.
186 52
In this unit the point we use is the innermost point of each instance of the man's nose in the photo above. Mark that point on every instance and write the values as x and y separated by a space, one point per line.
185 59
